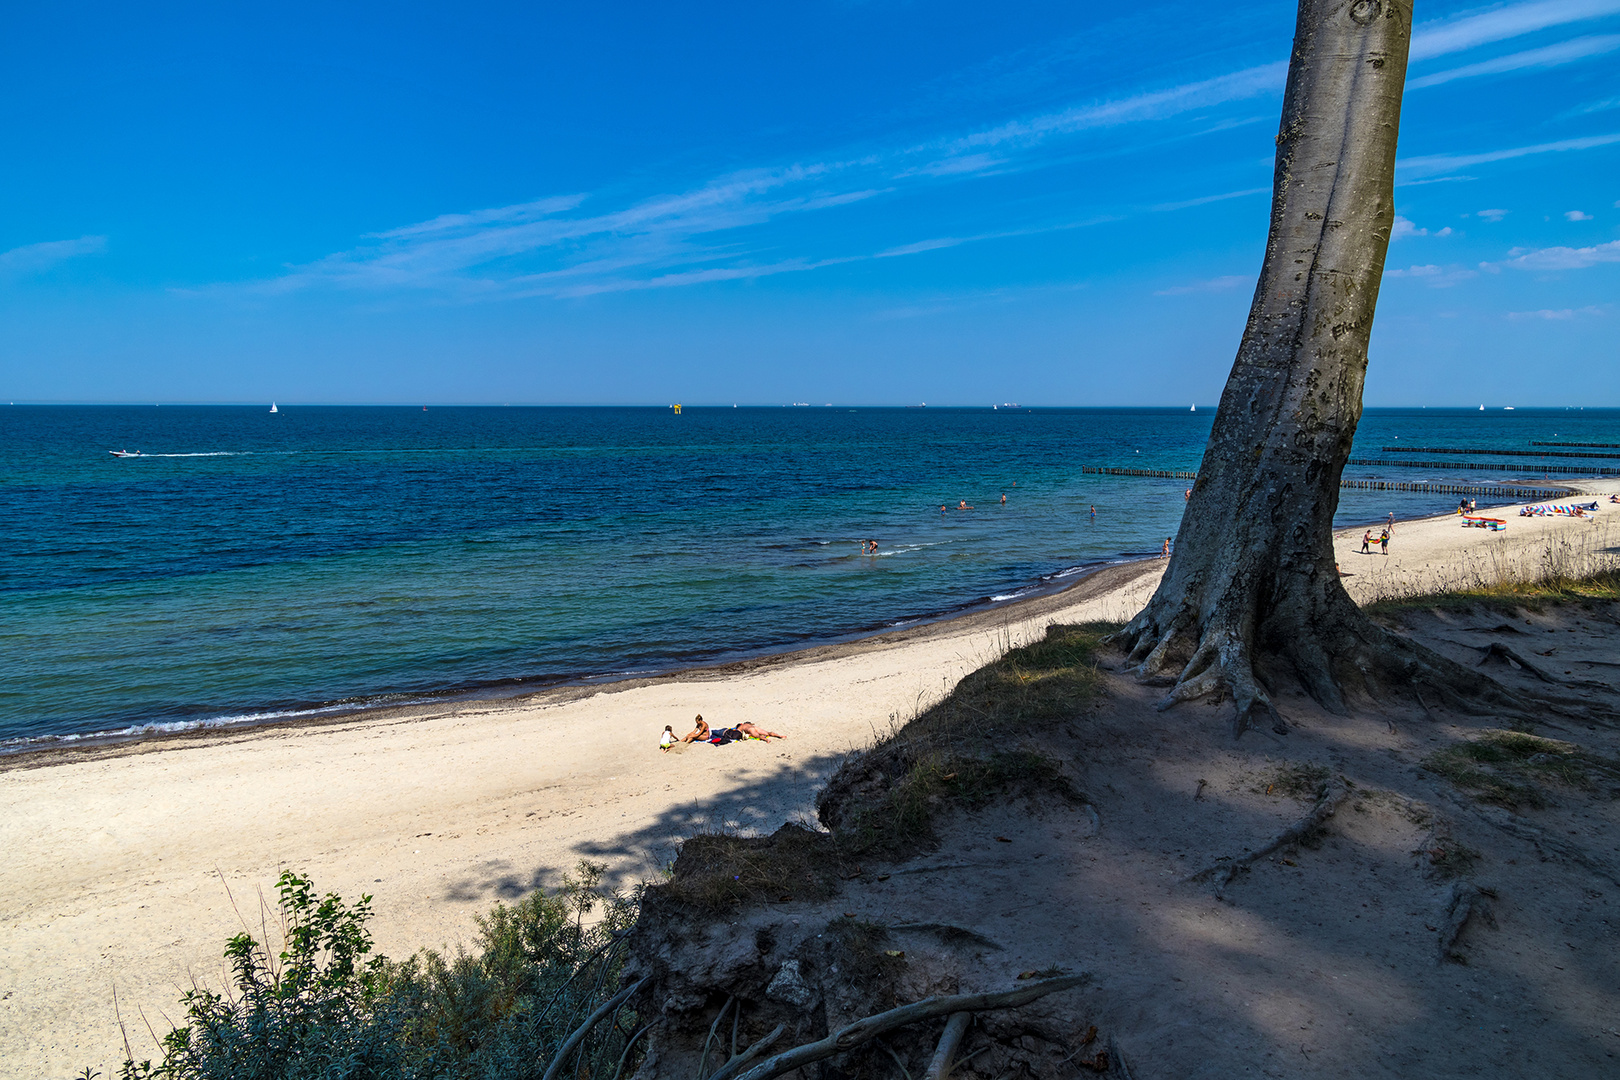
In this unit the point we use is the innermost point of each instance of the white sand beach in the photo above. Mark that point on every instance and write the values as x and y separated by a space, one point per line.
128 867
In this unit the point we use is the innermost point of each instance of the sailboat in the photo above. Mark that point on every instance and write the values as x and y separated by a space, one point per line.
273 407
1193 409
1482 408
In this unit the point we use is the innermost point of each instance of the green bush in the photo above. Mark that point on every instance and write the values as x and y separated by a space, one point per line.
324 1008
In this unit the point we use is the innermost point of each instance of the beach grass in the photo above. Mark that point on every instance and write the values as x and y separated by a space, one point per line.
1582 567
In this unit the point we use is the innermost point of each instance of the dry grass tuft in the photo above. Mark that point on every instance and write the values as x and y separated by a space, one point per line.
1293 781
1584 565
1508 768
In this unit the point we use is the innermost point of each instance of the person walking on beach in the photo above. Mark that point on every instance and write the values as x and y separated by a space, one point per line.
1366 542
1383 541
1167 547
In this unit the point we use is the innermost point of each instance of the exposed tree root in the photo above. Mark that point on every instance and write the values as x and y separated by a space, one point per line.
566 1051
741 1061
945 1053
1224 869
1501 654
1352 657
1465 901
865 1030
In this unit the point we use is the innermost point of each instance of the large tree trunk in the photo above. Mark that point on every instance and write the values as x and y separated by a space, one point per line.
1252 593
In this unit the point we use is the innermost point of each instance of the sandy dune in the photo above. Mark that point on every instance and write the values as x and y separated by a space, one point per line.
122 862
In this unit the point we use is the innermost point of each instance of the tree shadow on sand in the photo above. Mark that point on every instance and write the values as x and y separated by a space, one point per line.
760 802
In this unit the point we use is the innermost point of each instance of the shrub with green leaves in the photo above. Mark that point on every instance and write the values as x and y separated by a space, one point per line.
324 1008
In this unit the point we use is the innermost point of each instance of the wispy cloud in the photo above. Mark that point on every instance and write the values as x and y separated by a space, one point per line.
1437 163
1219 284
1492 215
34 258
1565 52
1577 215
1555 314
1405 228
580 244
1559 258
1460 33
1202 200
1436 277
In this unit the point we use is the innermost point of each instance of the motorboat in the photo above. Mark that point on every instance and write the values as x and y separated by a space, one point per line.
125 453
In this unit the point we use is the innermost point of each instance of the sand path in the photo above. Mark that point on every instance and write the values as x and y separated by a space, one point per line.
121 863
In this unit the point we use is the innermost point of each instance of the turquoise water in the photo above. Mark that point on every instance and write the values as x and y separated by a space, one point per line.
250 566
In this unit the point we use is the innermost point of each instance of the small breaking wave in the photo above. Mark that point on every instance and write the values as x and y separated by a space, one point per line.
175 727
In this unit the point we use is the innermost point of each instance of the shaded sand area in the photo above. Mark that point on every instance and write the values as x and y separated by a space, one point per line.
122 862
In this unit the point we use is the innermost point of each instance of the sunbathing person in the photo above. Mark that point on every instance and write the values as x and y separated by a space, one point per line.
701 732
748 727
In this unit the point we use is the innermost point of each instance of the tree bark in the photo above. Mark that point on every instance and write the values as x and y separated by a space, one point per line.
1252 592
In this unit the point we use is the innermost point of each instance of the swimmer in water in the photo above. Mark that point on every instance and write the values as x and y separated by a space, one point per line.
963 505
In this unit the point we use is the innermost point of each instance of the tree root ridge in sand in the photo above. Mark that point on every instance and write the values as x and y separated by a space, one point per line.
1465 901
1547 845
1223 870
1335 655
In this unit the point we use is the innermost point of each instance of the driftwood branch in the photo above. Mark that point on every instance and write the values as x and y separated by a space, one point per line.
872 1026
573 1041
1225 869
732 1067
945 1054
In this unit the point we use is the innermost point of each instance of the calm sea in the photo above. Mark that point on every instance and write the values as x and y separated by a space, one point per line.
251 566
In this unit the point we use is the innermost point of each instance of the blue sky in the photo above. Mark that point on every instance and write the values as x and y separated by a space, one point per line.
829 202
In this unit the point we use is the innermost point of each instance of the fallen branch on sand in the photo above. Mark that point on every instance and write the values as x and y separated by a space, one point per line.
1224 869
871 1027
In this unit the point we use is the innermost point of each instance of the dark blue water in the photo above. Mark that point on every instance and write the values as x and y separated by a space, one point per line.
254 565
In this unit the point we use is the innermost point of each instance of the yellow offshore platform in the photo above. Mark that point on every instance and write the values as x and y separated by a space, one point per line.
677 409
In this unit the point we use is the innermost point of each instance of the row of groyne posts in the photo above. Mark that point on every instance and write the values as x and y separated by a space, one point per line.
1517 492
1417 487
